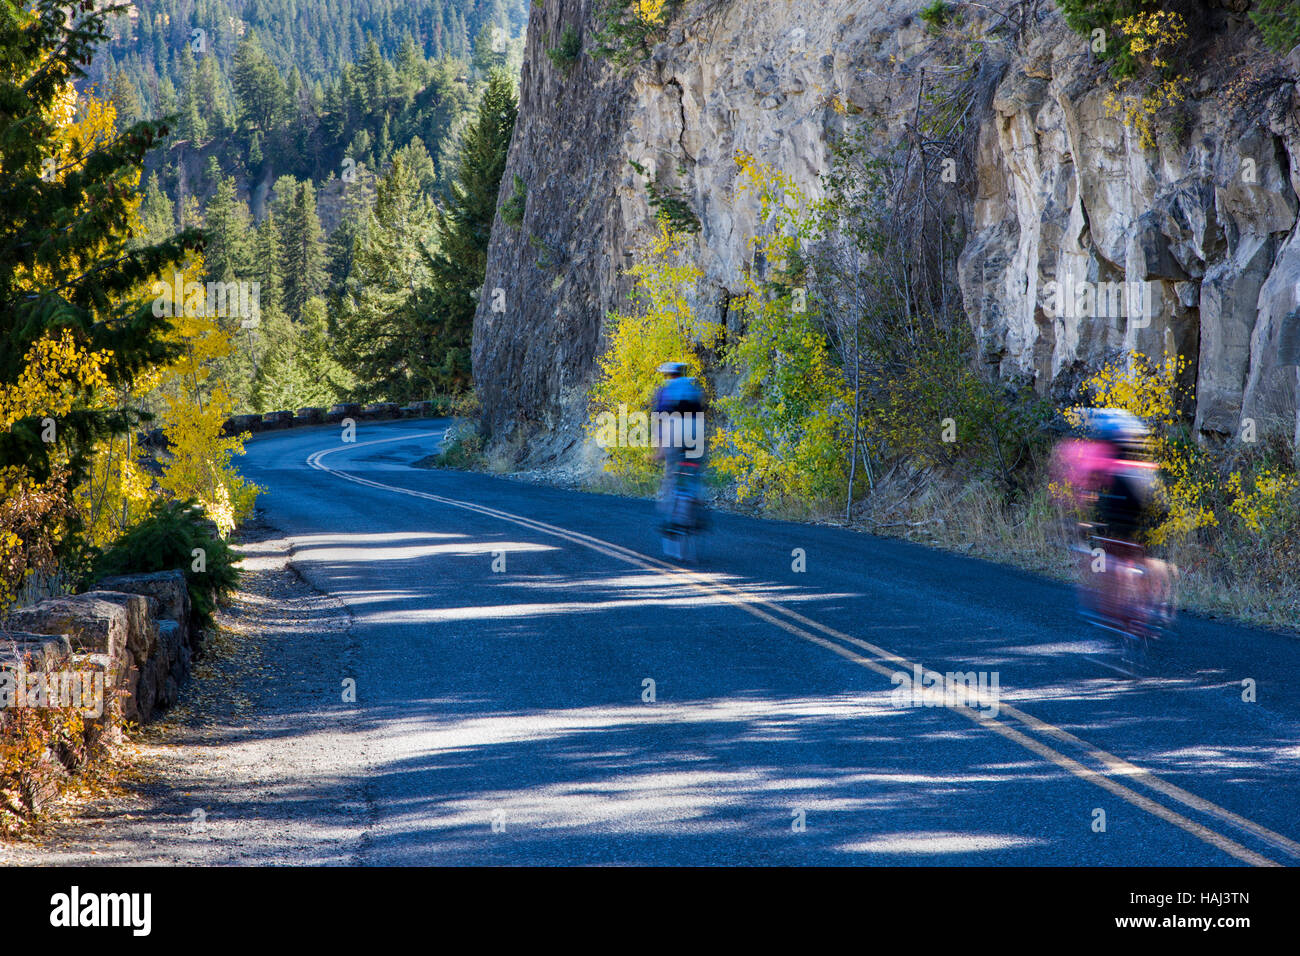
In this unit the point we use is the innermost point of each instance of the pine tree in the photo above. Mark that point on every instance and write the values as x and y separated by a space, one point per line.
463 225
168 105
84 276
212 98
410 68
126 100
384 340
267 258
373 77
303 246
489 51
157 215
255 152
192 124
298 368
259 90
228 224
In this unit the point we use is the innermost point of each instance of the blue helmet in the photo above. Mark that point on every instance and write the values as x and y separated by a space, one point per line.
1115 425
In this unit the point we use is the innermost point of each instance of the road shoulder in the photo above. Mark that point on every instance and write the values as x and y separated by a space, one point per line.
261 761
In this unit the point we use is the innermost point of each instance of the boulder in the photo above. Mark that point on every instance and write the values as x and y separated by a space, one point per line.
116 624
34 651
168 588
343 410
278 419
380 410
142 648
141 617
242 423
172 648
105 728
90 623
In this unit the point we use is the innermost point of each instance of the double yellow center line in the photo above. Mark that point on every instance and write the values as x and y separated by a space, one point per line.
886 663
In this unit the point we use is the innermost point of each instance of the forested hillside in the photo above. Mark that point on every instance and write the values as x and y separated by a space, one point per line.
316 38
326 150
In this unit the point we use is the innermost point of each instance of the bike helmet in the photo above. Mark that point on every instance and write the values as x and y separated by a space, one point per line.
1117 426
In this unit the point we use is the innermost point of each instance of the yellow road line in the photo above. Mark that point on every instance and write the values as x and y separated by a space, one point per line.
747 603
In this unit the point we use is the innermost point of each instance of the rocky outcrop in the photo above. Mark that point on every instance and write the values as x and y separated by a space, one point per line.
1059 190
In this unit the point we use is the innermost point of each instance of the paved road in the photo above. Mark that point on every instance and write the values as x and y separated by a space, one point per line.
504 633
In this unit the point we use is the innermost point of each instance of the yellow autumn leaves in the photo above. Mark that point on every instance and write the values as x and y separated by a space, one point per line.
62 374
649 10
664 328
1199 490
1150 38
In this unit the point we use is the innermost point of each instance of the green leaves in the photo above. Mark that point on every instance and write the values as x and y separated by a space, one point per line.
1279 21
66 255
628 29
463 225
176 534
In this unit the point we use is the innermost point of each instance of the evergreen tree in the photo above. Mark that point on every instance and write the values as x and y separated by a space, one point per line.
463 225
489 50
157 216
410 69
267 258
192 124
255 153
259 90
168 105
384 340
211 97
226 255
126 100
302 242
297 368
373 79
89 273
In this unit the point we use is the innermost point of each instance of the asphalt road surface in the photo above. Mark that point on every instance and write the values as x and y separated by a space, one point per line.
536 685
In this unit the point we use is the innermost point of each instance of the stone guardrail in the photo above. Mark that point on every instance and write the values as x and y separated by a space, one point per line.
316 416
119 653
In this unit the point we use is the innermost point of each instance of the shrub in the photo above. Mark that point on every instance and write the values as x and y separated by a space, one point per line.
628 29
1118 45
38 748
664 329
567 53
464 452
1204 487
937 15
173 535
1278 21
670 204
512 210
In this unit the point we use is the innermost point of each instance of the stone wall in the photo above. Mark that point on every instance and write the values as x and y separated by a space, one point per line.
271 421
138 628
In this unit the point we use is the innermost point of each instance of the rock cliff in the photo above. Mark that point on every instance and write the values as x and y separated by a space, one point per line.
1054 189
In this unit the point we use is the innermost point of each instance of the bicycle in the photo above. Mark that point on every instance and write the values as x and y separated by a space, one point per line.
686 517
1125 591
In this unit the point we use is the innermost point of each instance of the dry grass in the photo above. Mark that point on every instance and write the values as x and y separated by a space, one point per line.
1222 577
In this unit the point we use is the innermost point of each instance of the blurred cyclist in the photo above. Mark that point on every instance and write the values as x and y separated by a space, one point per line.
678 408
1111 473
